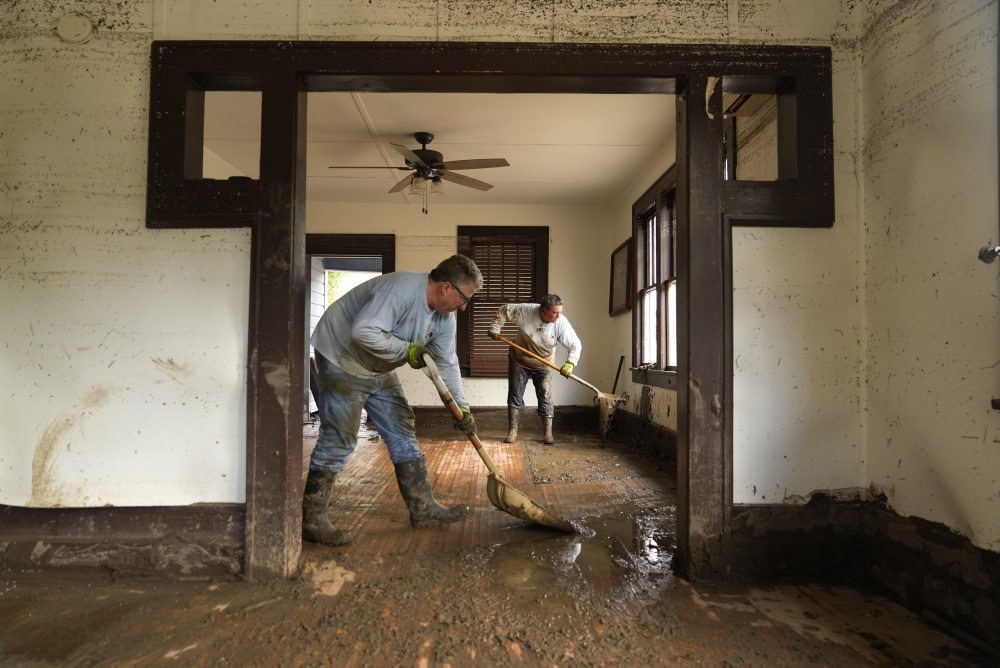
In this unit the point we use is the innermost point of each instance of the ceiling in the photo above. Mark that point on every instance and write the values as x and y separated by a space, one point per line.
562 148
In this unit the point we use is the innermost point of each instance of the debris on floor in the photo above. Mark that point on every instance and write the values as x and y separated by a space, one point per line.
493 590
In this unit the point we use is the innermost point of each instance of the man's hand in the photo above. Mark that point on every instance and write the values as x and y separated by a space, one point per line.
415 355
467 423
566 369
493 333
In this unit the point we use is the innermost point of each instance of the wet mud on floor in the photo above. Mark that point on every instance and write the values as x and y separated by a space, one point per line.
490 590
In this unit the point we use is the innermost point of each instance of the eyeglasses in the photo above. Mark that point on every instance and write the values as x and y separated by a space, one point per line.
465 300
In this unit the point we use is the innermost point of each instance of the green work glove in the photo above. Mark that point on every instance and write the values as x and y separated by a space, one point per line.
566 369
493 333
467 423
415 355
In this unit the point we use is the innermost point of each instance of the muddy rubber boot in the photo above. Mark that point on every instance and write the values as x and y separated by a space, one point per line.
513 419
425 511
316 525
547 423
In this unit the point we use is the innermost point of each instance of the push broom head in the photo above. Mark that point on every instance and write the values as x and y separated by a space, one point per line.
606 406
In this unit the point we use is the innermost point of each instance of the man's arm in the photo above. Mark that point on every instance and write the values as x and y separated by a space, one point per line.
499 319
442 349
566 335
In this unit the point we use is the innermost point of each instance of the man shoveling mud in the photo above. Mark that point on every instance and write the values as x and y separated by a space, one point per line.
361 339
539 328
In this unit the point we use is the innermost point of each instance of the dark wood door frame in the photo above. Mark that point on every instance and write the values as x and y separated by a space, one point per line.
273 208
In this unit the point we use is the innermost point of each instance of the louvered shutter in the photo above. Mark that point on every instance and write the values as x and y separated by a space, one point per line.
513 264
508 272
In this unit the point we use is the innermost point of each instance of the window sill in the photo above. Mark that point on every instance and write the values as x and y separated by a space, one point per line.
655 377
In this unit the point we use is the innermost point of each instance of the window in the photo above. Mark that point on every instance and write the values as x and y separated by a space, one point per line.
655 314
515 266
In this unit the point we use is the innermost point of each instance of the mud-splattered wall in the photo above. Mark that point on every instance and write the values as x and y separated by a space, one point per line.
933 310
162 423
122 350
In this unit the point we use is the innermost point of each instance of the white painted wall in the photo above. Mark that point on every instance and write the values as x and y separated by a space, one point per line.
930 152
424 240
796 362
118 393
122 349
797 325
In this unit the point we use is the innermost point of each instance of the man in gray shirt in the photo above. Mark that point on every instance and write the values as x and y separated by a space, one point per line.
539 328
391 320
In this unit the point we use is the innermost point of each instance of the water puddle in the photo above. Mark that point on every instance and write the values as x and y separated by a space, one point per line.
618 556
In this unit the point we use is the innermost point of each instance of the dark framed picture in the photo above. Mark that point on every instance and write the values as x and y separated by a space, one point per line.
620 299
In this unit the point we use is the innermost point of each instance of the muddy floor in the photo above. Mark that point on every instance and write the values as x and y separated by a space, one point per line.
492 590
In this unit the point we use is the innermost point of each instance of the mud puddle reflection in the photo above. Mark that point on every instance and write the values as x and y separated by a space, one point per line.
624 557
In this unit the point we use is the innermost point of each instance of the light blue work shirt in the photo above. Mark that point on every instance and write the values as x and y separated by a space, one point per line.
367 331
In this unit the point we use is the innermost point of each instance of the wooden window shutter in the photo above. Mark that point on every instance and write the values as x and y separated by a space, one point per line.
514 264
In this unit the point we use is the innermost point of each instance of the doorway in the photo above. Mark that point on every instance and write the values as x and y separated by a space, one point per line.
273 206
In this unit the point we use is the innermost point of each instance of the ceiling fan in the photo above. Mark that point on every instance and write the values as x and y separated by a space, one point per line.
429 169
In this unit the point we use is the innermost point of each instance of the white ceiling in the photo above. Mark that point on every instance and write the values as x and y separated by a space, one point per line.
562 148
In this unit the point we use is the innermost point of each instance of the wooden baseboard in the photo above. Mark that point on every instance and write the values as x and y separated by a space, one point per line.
176 541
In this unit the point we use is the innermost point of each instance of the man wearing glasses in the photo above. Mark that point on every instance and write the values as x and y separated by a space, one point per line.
539 328
391 320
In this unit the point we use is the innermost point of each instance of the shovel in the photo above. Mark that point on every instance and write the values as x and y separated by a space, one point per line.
606 403
502 495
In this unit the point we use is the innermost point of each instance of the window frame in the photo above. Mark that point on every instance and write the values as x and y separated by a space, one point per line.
659 202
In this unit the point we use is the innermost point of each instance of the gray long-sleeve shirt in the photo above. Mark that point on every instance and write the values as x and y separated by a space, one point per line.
367 331
536 335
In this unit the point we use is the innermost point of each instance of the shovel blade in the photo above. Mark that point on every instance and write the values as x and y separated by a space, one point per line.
517 503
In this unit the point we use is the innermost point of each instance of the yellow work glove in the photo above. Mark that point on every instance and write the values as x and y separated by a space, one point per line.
467 423
566 369
415 355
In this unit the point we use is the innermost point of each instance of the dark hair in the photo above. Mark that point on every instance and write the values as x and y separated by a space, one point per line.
459 270
548 301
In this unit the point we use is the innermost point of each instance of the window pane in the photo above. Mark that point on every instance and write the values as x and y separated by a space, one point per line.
651 249
649 319
672 323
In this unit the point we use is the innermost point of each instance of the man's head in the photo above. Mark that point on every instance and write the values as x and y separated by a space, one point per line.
550 308
452 284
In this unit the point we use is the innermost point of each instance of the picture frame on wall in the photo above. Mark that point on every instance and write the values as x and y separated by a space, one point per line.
620 297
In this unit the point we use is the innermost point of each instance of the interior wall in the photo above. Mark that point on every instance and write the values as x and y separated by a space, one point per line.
424 240
118 394
930 164
122 349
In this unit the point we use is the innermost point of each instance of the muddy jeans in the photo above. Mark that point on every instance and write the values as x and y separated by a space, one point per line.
517 380
341 398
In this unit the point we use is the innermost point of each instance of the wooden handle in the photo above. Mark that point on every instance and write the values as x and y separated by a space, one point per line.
546 362
431 371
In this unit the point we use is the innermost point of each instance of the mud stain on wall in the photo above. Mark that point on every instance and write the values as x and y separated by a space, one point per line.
45 489
276 375
172 369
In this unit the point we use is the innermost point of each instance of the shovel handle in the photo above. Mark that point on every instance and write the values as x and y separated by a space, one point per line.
546 362
431 371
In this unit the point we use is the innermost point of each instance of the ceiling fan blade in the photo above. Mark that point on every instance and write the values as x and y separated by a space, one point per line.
479 163
403 183
408 154
402 169
463 180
